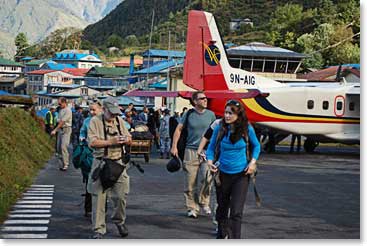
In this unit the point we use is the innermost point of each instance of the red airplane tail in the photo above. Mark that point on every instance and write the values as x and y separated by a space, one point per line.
204 52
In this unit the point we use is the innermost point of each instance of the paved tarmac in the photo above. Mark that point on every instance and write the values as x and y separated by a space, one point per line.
304 196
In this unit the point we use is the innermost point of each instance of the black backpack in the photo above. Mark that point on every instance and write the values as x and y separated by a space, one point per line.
181 144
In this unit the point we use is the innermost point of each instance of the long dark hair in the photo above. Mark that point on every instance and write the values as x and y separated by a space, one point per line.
240 126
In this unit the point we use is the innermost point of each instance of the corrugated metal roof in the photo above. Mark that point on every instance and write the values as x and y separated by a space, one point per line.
37 62
58 66
159 85
7 62
164 53
263 50
72 56
160 67
108 71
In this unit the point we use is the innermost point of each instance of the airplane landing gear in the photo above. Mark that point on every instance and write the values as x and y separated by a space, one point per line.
310 145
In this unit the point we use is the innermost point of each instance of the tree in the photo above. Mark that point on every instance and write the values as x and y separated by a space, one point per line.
115 40
132 40
21 43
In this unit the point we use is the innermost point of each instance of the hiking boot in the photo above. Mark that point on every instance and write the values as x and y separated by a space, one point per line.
63 169
192 214
122 230
97 235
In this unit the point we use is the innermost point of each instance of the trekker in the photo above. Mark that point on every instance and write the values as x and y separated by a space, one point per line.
229 158
143 116
198 120
50 121
64 124
165 140
294 137
76 125
95 108
105 138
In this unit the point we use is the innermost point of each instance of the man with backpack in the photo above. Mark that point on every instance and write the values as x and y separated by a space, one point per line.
195 121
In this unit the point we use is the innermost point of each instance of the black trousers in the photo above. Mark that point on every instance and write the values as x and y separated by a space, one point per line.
231 197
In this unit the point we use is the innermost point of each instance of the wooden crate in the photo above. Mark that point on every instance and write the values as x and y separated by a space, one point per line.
140 147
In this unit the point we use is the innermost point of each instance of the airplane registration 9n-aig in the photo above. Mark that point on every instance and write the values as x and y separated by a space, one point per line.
321 112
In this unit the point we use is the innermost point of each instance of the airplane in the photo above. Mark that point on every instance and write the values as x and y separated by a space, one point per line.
321 112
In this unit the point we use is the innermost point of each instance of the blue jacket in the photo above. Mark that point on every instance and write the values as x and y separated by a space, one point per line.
233 157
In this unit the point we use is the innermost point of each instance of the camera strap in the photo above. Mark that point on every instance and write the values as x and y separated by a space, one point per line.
123 151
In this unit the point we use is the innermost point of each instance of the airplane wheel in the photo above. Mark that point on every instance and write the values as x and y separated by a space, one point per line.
310 145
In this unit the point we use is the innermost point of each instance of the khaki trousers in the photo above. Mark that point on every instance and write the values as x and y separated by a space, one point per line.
196 191
65 141
117 194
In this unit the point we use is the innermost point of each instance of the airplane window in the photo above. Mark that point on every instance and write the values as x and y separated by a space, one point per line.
325 105
310 104
339 105
351 106
234 63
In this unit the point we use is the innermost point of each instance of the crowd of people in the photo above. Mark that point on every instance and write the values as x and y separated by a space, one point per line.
210 151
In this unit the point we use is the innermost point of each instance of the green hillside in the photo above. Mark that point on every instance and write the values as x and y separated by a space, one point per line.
24 149
326 30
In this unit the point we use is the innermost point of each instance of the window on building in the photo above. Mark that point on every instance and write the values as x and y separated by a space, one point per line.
310 104
235 62
281 66
339 105
269 66
292 66
246 65
325 105
258 66
351 106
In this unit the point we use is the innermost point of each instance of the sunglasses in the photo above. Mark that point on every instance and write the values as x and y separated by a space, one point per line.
202 98
233 102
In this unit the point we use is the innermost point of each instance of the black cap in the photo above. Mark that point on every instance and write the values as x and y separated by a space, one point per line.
174 164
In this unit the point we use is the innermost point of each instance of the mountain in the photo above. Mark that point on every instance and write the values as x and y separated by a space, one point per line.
132 17
38 18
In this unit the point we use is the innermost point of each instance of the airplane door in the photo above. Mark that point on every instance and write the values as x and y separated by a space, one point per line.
339 106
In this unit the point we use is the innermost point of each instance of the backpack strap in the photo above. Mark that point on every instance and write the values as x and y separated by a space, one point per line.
253 176
105 136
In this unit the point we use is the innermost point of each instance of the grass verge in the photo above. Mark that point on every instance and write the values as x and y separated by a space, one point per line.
24 149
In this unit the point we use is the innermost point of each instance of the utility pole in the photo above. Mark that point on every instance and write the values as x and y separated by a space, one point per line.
150 45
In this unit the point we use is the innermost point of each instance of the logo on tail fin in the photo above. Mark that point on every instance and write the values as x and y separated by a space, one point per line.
212 54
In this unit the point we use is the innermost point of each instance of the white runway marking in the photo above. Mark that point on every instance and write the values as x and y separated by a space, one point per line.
23 236
37 197
29 215
25 228
33 209
12 222
32 206
34 202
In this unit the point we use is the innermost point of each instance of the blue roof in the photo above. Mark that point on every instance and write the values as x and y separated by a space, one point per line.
72 56
4 93
160 67
27 58
58 66
159 85
164 53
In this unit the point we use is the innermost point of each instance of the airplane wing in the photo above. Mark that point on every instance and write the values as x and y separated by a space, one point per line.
225 94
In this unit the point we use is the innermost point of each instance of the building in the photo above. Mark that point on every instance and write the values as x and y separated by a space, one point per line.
235 24
79 59
125 63
9 68
78 93
35 65
152 56
39 80
350 72
268 61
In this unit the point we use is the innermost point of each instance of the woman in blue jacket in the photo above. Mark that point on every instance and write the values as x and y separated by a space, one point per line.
233 167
